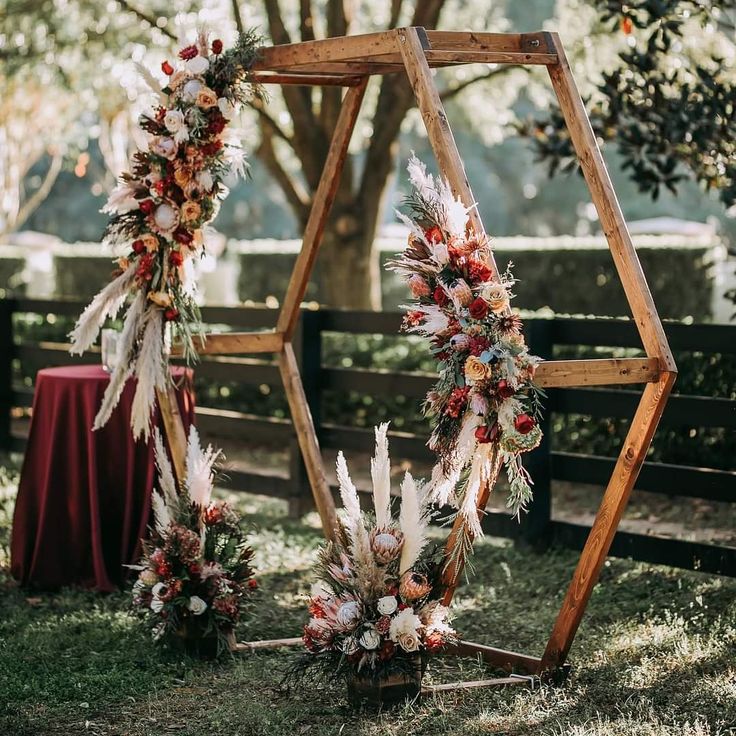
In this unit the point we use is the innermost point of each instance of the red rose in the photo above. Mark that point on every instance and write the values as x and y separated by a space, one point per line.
486 434
183 236
434 642
216 125
524 424
478 308
217 46
167 69
434 234
176 258
138 246
440 296
252 584
171 314
146 206
188 52
504 389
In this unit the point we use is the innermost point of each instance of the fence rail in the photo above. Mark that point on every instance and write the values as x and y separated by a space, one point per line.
546 463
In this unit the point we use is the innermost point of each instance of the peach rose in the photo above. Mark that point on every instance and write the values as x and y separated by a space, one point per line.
497 297
183 175
476 370
206 98
190 211
160 299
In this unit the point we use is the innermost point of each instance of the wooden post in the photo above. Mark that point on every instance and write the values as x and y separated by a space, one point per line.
174 430
7 349
606 522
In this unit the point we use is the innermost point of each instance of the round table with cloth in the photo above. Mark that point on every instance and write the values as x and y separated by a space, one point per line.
84 497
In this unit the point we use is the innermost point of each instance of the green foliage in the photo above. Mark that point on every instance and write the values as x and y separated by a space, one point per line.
669 106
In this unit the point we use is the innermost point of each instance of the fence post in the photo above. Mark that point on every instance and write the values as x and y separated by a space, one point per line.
535 524
307 343
6 371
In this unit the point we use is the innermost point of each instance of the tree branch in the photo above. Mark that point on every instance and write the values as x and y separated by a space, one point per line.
293 190
238 16
41 193
448 94
306 20
270 123
395 13
146 18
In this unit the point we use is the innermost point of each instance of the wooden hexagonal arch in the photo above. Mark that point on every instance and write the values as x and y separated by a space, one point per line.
349 62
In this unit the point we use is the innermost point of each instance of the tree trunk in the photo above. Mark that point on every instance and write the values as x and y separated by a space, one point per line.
350 274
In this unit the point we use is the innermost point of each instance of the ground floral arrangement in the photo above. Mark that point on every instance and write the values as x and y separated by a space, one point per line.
195 577
159 211
375 608
485 407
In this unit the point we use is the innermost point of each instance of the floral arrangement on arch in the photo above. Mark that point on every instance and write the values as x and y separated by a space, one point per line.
159 211
195 577
485 406
376 605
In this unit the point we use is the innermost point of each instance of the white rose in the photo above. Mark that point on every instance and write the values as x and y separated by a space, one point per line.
174 120
196 605
348 615
226 108
406 622
408 641
163 146
158 590
198 65
387 605
370 639
157 605
190 90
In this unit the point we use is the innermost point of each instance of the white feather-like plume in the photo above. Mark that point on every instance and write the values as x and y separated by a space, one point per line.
165 472
123 370
200 470
106 304
352 517
413 519
161 515
381 477
151 372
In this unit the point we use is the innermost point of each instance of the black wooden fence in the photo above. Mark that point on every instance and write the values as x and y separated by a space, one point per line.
538 527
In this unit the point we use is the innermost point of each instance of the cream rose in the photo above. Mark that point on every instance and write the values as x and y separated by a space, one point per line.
370 639
387 605
196 605
198 65
497 297
174 120
190 90
408 641
163 146
206 98
475 369
226 108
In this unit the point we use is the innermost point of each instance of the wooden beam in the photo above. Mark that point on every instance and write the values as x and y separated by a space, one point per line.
329 50
609 211
435 120
234 343
174 433
306 79
255 646
307 438
446 58
537 42
478 684
321 205
501 658
625 473
598 372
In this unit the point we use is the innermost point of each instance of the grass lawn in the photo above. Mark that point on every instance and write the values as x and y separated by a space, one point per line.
656 654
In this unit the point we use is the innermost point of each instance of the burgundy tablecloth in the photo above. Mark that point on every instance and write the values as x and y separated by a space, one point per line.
84 497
